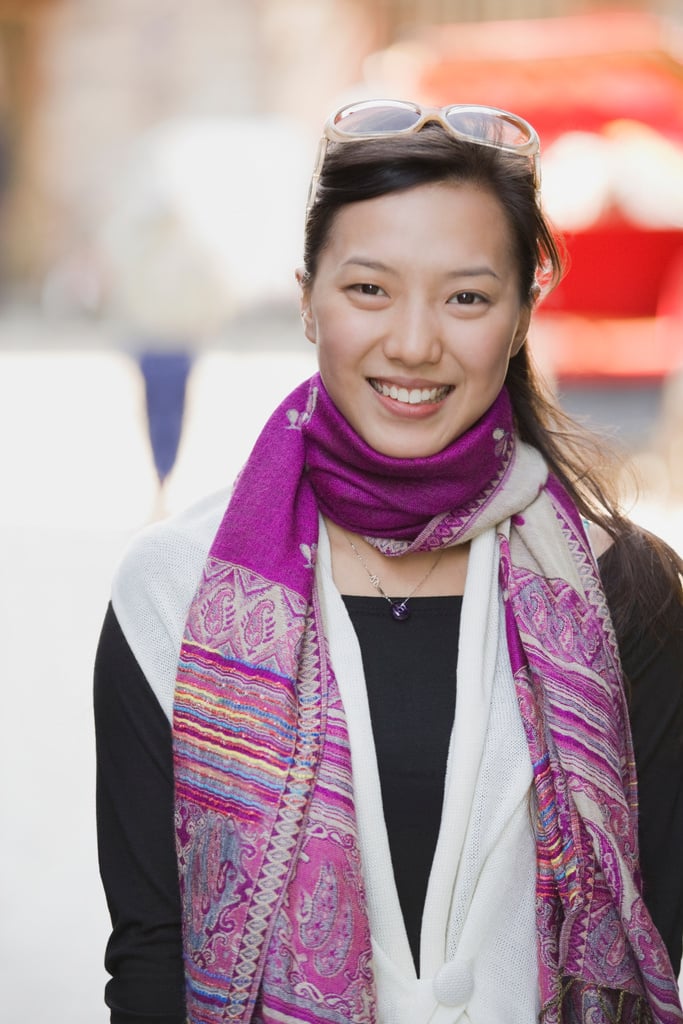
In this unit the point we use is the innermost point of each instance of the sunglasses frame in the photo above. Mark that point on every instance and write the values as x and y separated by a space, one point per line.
334 132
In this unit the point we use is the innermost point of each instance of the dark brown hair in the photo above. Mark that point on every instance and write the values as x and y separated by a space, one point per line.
646 572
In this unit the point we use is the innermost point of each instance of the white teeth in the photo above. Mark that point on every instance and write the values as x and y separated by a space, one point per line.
413 397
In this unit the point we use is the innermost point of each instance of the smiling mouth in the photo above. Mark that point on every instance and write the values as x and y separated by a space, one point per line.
411 396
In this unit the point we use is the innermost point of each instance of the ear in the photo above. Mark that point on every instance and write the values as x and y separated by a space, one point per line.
522 327
305 305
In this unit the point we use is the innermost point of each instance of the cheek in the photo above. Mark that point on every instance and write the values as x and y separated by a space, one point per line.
334 366
330 352
338 340
488 354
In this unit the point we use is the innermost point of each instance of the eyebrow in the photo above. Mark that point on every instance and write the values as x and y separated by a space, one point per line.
483 271
360 261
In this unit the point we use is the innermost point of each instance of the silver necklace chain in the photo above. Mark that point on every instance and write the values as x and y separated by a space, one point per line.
399 609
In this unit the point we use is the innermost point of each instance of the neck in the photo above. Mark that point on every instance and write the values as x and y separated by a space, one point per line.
398 574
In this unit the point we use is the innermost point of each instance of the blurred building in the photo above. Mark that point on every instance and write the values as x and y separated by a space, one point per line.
81 80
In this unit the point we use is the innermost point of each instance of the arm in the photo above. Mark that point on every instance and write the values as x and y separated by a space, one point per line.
655 672
135 837
653 664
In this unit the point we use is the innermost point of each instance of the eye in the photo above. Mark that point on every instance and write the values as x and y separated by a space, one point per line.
367 289
466 298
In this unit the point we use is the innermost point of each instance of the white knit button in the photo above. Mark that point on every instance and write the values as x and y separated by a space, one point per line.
454 983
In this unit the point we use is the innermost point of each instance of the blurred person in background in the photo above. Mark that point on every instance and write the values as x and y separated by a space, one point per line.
393 730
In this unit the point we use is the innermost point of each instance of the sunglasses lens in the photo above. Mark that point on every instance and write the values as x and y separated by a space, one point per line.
491 127
372 119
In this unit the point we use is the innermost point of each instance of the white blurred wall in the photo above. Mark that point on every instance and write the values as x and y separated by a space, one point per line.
77 481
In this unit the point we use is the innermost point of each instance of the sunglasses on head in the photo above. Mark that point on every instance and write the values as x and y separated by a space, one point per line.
387 119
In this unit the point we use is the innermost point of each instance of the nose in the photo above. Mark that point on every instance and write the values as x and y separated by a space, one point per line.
414 337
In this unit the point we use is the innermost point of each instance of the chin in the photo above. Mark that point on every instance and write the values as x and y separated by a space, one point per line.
408 449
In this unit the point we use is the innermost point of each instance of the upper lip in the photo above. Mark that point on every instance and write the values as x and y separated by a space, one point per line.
409 382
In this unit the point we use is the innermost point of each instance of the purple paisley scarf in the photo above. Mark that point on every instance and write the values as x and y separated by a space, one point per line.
274 921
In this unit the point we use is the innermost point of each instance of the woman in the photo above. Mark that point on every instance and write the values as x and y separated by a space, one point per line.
355 843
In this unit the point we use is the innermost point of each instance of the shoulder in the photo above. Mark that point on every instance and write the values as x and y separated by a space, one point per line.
599 539
154 585
643 579
167 557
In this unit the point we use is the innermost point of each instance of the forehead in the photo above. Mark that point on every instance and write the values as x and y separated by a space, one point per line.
423 224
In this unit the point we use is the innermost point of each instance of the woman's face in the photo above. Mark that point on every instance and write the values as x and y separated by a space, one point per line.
415 312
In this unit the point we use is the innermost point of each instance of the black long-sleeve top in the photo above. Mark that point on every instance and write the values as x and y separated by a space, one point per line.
135 788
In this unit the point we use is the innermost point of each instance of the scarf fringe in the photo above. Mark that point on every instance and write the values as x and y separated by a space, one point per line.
577 1002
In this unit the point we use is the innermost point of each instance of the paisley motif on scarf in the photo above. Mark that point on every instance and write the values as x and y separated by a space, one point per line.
275 924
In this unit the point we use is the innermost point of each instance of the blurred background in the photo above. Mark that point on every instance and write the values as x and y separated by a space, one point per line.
154 161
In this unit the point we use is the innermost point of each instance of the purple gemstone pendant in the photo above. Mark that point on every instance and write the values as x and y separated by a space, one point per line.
400 612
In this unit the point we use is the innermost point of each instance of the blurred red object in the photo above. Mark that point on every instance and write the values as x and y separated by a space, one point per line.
617 269
562 74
